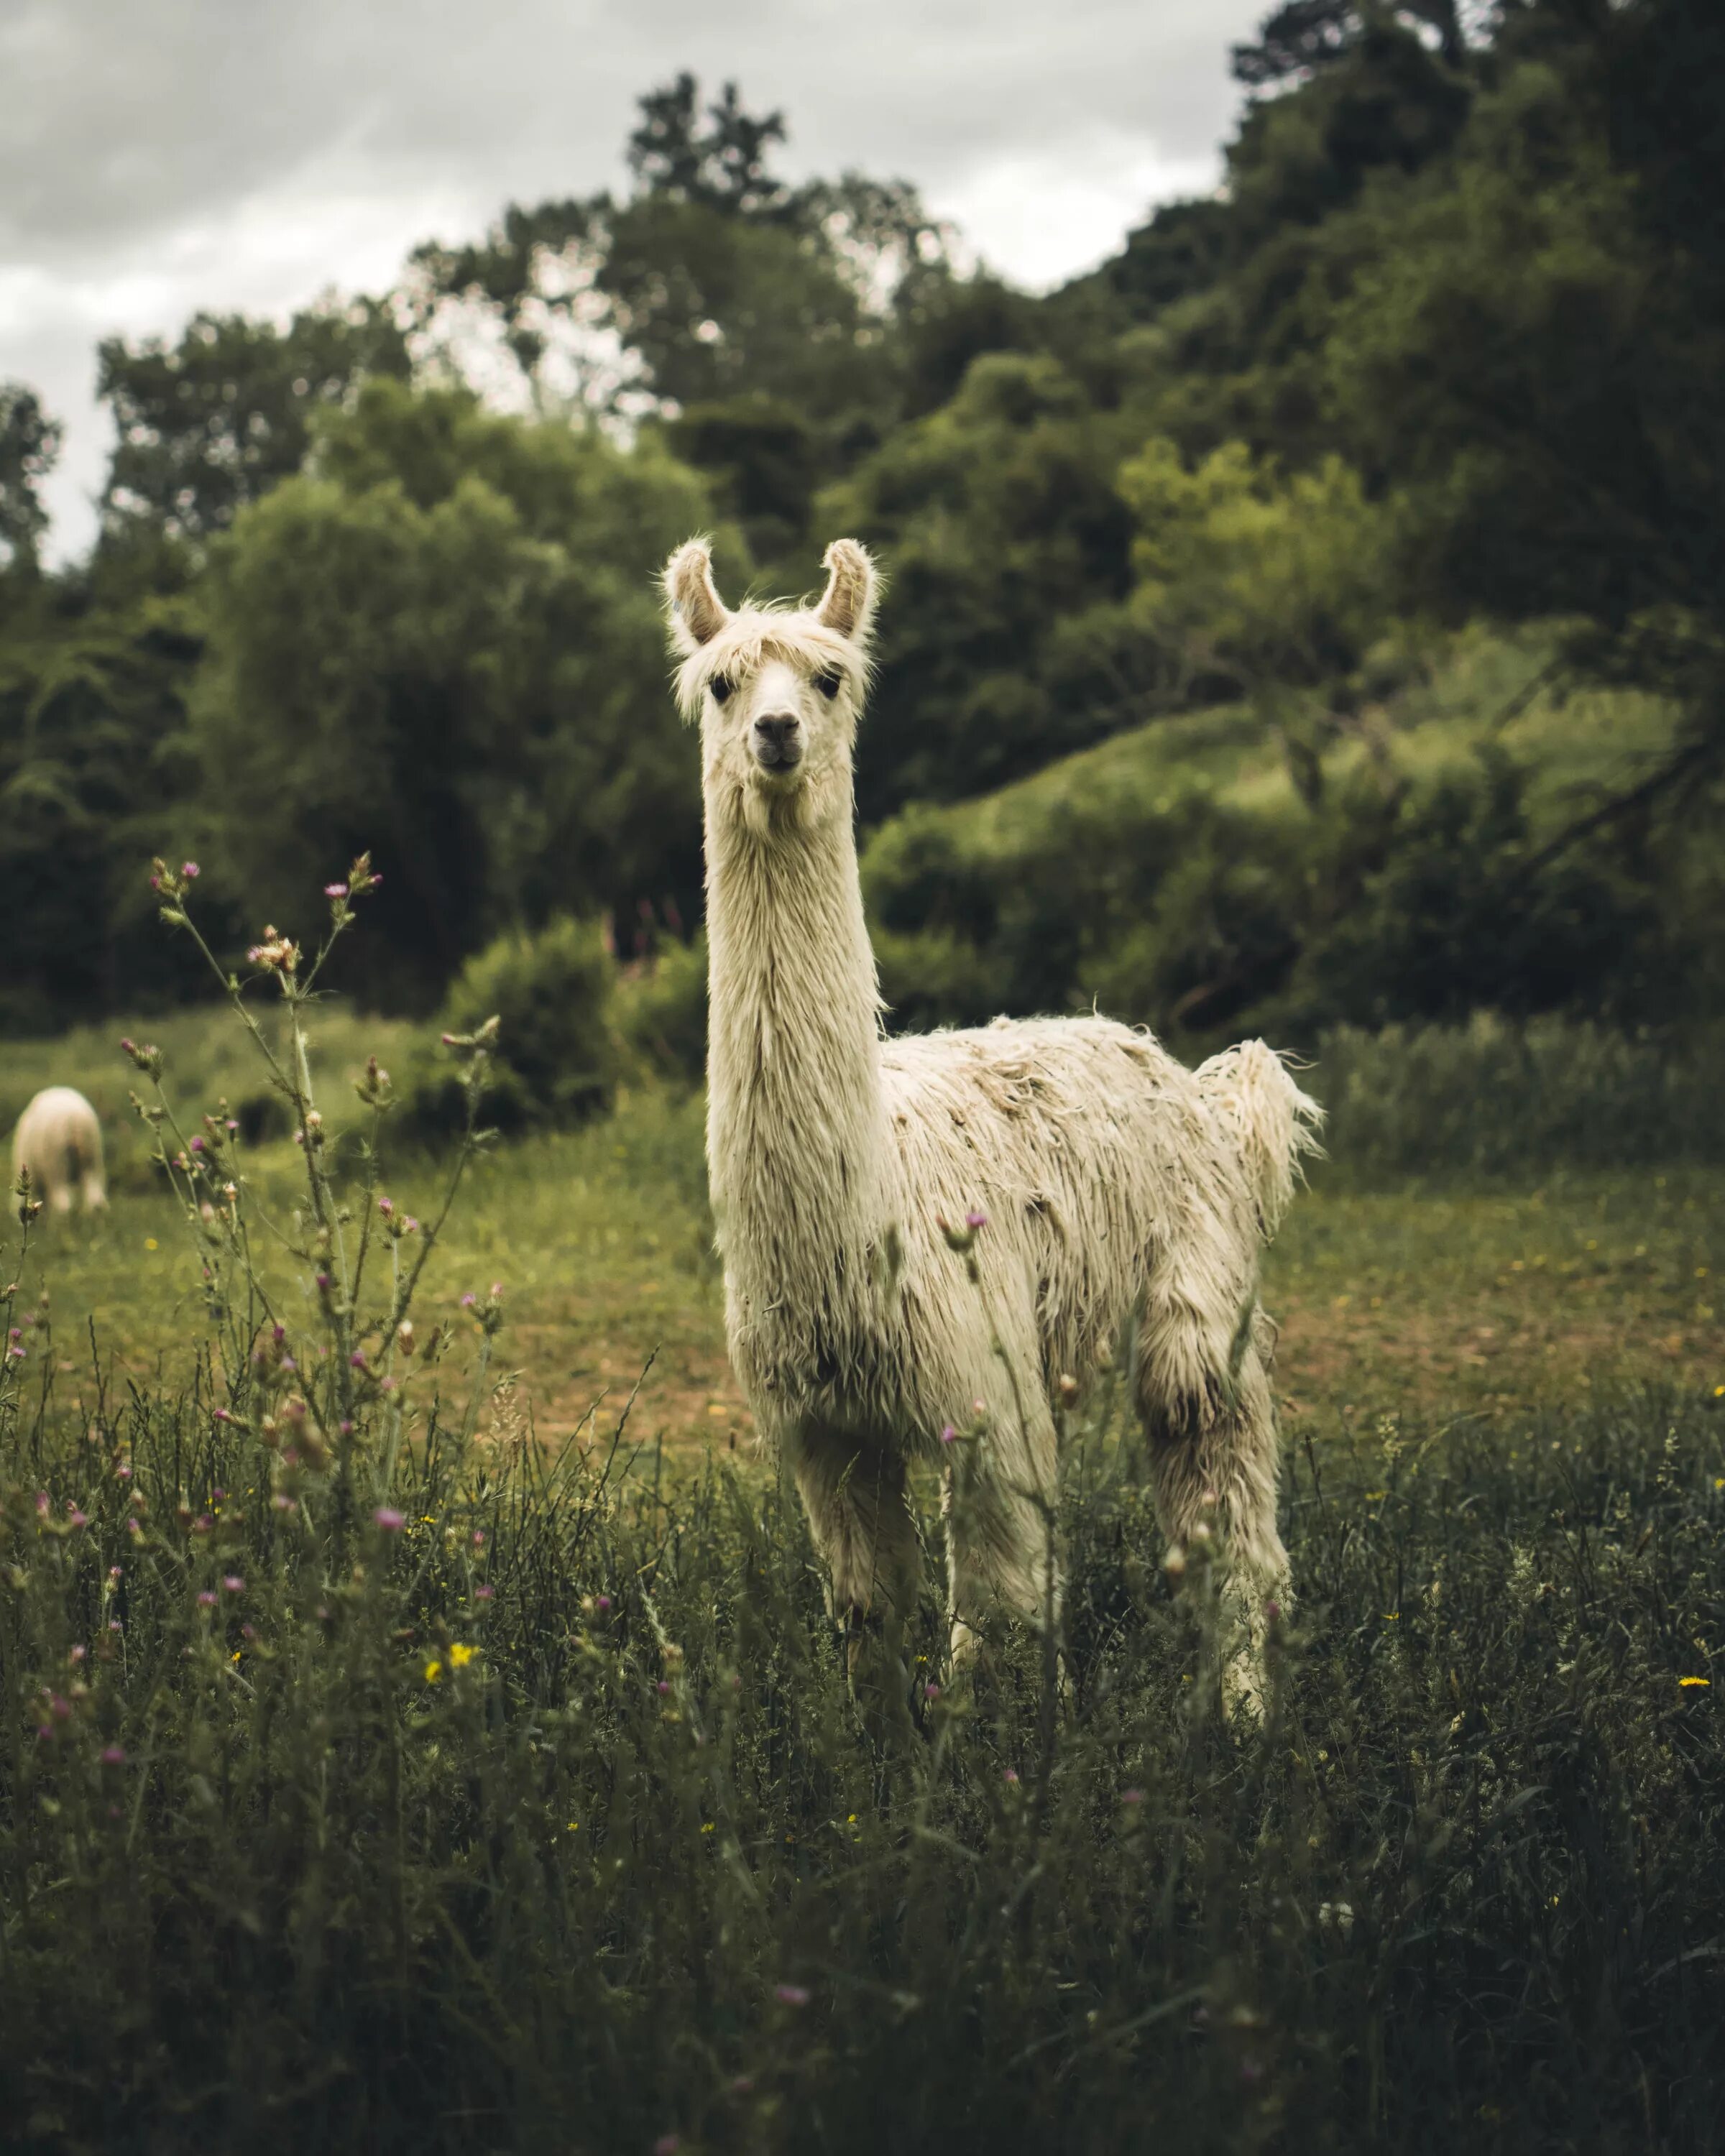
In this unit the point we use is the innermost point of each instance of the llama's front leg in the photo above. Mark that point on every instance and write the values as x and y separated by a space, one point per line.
1216 1488
859 1512
998 1503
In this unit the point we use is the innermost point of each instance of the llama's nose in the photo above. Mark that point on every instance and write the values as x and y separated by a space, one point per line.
776 742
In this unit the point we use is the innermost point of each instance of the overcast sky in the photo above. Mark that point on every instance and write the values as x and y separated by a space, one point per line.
161 155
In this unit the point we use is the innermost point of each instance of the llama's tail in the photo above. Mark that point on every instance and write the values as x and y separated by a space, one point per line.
1276 1123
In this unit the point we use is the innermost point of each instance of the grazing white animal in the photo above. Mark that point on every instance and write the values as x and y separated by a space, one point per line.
1125 1197
60 1141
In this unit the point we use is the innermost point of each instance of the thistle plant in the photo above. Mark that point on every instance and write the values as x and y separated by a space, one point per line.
306 1381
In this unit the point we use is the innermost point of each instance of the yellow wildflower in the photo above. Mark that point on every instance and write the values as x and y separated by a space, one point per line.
433 1670
1694 1681
708 1827
460 1656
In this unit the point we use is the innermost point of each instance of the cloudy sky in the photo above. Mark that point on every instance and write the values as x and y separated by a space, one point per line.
161 155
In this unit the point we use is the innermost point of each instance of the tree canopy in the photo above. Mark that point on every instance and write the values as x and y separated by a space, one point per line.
1440 360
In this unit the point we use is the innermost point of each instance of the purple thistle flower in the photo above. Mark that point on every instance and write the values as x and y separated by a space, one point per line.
1132 1796
949 1435
391 1522
479 1538
385 1206
663 1687
234 1583
1012 1778
469 1300
357 1359
667 2144
483 1594
790 1995
113 1755
975 1218
197 1145
930 1692
335 891
206 1597
76 1518
190 871
602 1602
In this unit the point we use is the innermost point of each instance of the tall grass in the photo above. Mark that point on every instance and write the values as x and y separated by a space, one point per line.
546 1820
1495 1096
368 1783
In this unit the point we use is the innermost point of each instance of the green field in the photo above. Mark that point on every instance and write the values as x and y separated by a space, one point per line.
540 1816
1476 1296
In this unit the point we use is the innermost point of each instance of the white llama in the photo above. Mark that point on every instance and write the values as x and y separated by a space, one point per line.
1119 1188
60 1141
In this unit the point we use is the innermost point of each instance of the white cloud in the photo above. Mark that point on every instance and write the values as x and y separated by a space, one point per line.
158 158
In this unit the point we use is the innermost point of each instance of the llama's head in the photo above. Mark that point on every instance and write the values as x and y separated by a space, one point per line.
775 689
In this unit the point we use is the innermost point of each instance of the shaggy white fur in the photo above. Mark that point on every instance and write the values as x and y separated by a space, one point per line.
1125 1197
60 1141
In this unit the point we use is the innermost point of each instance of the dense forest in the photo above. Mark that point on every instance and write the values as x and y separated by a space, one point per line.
1314 615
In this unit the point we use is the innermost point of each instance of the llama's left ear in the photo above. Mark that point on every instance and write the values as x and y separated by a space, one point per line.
848 603
697 613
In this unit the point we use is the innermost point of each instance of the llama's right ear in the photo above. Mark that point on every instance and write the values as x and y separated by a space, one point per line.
848 602
695 610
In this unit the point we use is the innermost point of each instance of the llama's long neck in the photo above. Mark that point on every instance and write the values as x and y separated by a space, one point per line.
797 1124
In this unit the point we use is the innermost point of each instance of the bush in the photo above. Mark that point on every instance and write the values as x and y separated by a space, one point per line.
556 1058
1493 1097
661 1013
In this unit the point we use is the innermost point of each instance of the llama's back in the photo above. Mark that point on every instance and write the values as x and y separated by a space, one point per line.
58 1138
1089 1147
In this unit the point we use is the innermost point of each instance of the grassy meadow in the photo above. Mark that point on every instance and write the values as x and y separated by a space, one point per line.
1476 1294
475 1792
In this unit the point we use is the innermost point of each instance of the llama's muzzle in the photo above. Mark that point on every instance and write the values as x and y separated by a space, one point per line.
778 741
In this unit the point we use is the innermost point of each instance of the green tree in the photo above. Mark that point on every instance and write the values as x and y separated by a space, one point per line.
29 448
94 780
1007 548
1276 583
211 422
443 642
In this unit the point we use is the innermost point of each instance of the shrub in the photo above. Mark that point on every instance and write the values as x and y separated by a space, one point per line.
555 1062
1494 1097
661 1012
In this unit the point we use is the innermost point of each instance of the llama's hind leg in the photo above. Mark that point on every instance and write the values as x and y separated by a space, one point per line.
1216 1487
858 1507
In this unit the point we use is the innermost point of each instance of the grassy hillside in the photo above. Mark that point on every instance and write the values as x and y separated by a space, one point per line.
1195 874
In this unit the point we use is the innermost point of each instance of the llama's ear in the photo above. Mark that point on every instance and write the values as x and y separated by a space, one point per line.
697 613
848 603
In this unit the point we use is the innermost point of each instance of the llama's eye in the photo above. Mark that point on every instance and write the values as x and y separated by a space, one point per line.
721 685
829 682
